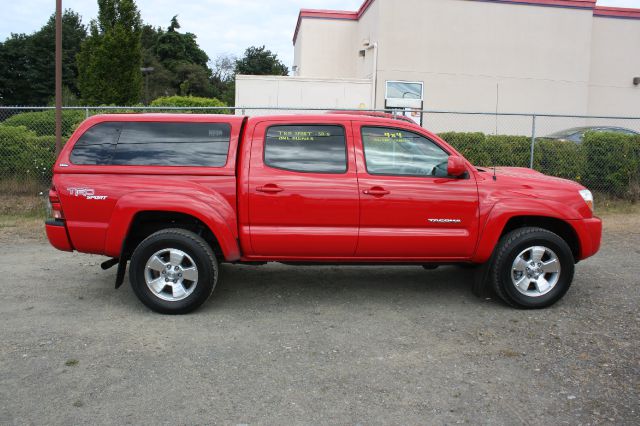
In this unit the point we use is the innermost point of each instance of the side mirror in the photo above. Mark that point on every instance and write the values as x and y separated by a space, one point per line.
456 167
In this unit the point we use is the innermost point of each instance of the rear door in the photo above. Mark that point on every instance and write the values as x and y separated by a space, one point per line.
303 190
410 208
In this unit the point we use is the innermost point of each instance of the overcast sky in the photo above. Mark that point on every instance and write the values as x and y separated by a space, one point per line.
222 26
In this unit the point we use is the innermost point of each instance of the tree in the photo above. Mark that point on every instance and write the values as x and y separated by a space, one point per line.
110 58
180 66
260 61
223 78
27 62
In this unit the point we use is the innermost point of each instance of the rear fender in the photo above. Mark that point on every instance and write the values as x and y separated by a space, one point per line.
505 210
212 209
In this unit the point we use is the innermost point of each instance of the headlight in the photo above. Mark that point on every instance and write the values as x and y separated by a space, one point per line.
587 196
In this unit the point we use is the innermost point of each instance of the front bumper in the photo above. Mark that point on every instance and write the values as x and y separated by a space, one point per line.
57 235
589 233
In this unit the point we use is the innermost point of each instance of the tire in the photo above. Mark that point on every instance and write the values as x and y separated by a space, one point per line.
532 268
173 271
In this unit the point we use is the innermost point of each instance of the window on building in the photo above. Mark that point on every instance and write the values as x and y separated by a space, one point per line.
308 149
397 152
404 90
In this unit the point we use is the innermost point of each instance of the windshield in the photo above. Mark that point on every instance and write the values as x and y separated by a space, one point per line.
563 134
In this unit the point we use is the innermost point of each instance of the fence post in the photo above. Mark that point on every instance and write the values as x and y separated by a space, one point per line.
533 139
86 113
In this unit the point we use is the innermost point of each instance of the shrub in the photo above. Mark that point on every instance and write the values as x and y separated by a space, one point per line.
612 163
26 156
191 101
504 150
43 123
470 145
559 158
490 150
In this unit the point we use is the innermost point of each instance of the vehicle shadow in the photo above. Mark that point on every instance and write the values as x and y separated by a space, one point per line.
282 285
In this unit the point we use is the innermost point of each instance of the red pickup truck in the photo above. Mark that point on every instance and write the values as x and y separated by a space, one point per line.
176 195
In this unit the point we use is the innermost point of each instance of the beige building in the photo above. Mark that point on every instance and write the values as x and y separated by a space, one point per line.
530 56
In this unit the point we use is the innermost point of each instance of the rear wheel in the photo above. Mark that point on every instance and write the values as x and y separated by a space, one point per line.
533 268
173 271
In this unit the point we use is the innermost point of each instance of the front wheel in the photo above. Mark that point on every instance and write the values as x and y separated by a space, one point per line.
533 268
173 271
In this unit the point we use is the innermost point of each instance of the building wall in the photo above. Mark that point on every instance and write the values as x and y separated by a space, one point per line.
326 48
287 92
472 55
615 60
488 56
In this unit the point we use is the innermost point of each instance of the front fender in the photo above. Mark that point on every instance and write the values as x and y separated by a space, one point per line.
507 209
212 209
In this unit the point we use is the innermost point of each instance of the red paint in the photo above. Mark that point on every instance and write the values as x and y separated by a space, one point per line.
258 213
57 235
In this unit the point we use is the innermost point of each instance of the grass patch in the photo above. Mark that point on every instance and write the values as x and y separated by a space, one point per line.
22 187
611 206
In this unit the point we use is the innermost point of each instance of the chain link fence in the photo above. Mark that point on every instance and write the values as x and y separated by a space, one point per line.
602 153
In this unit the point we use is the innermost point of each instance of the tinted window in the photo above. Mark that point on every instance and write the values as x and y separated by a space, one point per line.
399 152
173 144
96 145
319 149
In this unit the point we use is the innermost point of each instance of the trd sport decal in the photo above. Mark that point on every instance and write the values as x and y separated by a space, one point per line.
87 193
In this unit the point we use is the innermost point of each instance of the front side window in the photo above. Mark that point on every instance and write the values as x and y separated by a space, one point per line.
307 149
397 152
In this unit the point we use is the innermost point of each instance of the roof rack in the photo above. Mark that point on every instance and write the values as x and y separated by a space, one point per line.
374 114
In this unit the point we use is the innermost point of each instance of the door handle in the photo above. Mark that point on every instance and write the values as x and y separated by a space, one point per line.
269 189
376 191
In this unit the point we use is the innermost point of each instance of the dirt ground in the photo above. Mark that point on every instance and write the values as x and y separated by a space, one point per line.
316 345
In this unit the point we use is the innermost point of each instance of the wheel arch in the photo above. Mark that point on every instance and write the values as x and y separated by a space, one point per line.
558 226
138 216
497 227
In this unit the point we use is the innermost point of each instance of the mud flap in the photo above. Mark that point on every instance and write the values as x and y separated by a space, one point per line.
481 287
122 268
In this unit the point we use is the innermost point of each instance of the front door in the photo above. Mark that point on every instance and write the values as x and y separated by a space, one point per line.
303 191
410 208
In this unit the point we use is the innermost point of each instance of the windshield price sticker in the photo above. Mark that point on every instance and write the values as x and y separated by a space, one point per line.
301 136
390 137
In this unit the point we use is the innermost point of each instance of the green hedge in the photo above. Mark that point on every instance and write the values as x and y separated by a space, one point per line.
191 101
604 162
43 123
612 164
25 155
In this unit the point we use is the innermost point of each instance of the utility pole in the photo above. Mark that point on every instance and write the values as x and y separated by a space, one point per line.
146 71
58 76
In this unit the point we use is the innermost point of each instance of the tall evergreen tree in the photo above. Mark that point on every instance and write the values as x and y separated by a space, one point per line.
110 59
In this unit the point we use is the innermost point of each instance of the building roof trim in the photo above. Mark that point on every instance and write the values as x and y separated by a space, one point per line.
599 11
616 12
331 14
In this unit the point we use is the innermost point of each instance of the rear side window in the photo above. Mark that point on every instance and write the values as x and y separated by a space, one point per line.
96 145
154 144
306 148
173 144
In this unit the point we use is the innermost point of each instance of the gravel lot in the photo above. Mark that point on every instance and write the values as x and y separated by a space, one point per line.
317 345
